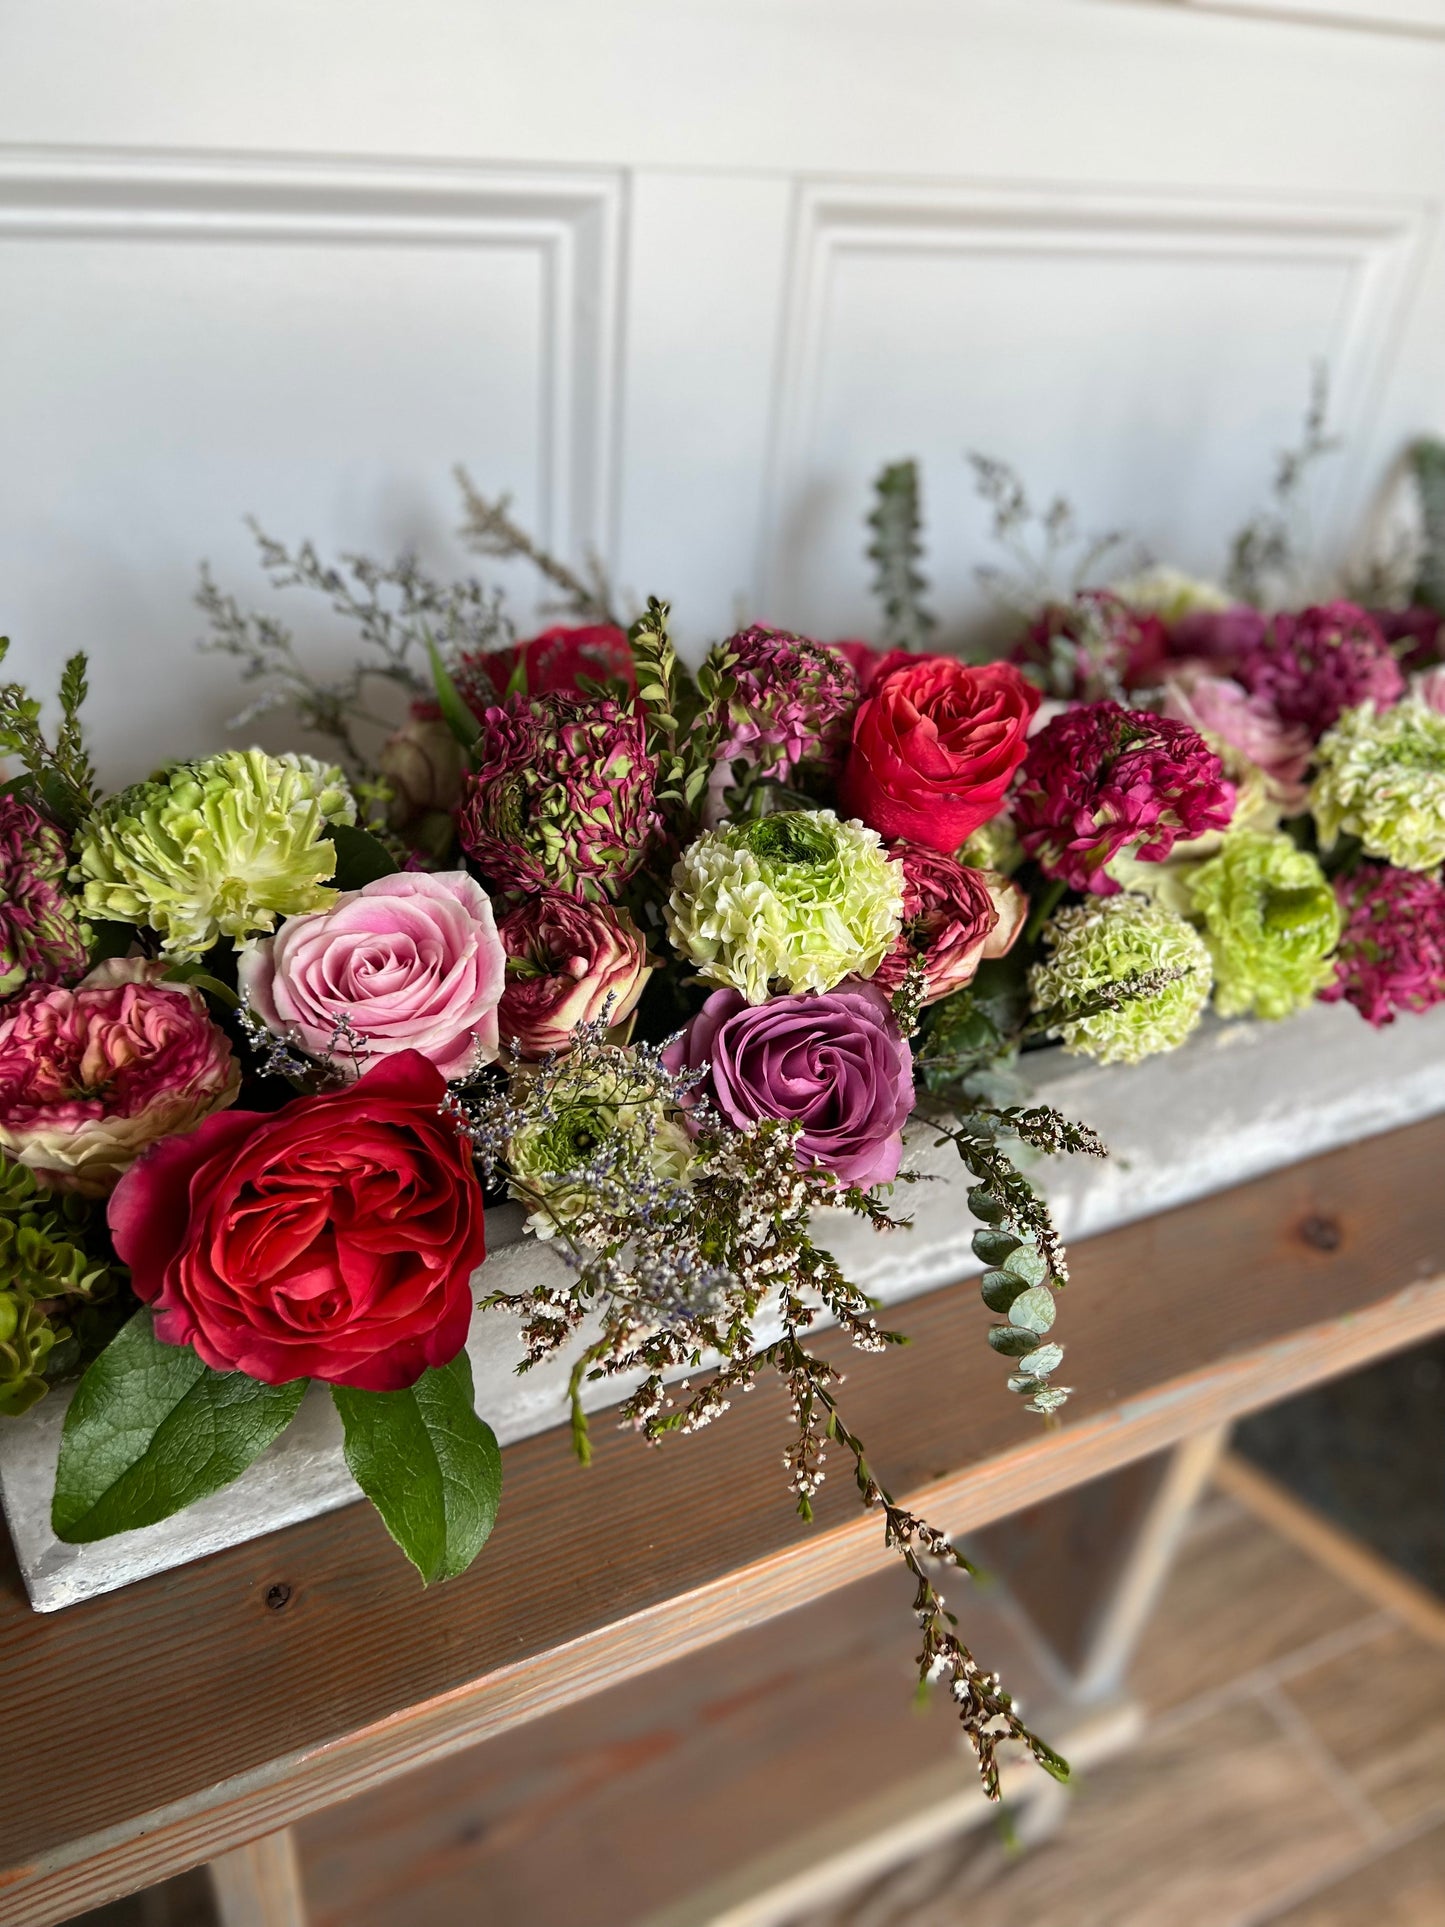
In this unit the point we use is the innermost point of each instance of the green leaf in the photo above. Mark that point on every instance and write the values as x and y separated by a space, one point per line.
151 1429
984 1205
360 857
457 717
994 1247
1033 1310
1013 1344
1000 1288
428 1464
1027 1263
1046 1359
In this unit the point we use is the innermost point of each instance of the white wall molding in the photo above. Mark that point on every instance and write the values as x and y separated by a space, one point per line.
574 219
1425 18
1376 247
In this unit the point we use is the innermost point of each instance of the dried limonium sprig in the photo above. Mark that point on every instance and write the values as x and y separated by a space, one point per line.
279 1053
681 1233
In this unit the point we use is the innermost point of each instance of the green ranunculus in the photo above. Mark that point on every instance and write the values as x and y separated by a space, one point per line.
1381 777
217 848
602 1137
1271 922
797 899
1102 951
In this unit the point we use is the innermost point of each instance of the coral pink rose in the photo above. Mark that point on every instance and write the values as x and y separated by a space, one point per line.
333 1239
953 917
411 962
934 748
89 1077
568 962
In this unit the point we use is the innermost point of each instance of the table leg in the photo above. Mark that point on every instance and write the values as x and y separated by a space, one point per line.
259 1885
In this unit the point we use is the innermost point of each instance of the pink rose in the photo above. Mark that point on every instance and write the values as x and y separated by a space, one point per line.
565 960
412 962
1249 725
90 1076
953 917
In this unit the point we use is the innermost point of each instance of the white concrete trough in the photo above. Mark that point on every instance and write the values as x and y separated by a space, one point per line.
1241 1099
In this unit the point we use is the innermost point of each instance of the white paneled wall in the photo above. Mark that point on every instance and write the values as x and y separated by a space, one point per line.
680 274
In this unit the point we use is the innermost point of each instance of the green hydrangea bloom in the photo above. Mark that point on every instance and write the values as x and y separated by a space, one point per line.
1104 943
1271 922
1381 777
798 899
217 848
599 1131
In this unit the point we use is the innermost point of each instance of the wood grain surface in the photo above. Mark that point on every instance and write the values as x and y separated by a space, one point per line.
157 1727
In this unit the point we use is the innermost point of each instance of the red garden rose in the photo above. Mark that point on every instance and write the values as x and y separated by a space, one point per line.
934 748
332 1239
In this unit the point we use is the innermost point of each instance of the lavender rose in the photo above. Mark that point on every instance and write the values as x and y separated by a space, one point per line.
411 962
90 1077
567 962
834 1060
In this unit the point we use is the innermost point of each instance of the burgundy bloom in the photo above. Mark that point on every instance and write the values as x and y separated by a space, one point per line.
1420 630
1218 637
953 917
1100 779
1091 646
1391 956
834 1060
560 796
1313 666
40 934
792 702
567 964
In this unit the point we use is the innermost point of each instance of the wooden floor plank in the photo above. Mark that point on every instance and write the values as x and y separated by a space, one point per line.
228 1718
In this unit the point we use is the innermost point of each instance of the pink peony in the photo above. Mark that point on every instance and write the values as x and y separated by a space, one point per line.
412 962
1391 956
567 963
90 1077
953 917
40 934
1094 645
1101 779
1313 666
833 1061
1248 725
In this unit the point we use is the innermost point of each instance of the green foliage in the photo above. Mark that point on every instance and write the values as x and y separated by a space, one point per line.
151 1430
60 775
490 529
361 858
896 549
428 1464
685 718
1427 466
55 1273
455 713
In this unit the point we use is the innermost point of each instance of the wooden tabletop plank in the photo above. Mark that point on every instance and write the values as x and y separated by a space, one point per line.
158 1726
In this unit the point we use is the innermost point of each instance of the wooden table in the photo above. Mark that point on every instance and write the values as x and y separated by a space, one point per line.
194 1717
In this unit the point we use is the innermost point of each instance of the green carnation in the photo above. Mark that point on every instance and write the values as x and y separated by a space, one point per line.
1127 978
1271 922
218 848
797 899
1381 777
601 1139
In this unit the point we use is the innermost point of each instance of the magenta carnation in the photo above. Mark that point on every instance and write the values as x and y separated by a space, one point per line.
1314 665
1101 779
792 701
90 1077
953 917
834 1062
1091 646
1391 956
40 935
560 796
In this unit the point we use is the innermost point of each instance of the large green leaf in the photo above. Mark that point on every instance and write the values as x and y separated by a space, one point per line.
428 1464
455 714
360 857
151 1429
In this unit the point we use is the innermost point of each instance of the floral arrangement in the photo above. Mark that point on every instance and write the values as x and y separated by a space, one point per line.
676 958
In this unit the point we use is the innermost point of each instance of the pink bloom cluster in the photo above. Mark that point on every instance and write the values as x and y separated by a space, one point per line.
1100 779
793 701
1392 953
90 1077
1313 665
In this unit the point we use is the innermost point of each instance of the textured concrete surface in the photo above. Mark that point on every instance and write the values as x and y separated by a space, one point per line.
1241 1099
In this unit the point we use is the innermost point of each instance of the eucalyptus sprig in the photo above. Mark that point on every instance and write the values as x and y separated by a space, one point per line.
896 549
